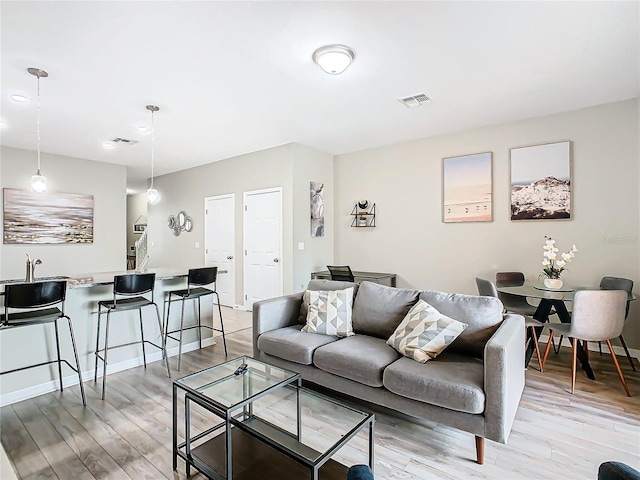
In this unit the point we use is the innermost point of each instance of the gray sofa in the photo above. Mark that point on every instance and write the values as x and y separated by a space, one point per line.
475 385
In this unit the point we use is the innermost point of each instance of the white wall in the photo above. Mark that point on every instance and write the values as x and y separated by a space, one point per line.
405 181
106 182
274 167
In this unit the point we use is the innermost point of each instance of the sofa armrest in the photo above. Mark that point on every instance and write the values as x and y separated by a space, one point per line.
274 313
504 377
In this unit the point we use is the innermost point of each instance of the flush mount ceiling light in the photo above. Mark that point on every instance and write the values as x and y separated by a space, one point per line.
108 145
153 196
334 59
38 181
19 98
143 129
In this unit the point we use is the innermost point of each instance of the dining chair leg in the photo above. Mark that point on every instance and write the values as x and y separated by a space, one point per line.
144 352
180 341
55 327
600 348
574 361
626 350
615 361
534 337
75 355
104 360
95 371
546 350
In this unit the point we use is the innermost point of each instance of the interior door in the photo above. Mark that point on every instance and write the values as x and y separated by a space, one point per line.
262 219
219 242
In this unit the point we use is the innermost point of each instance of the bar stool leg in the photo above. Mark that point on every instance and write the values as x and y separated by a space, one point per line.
75 354
224 339
199 326
166 323
106 350
55 327
95 371
180 341
144 353
164 345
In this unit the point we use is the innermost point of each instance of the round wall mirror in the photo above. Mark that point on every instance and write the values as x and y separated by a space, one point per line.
188 224
171 221
181 219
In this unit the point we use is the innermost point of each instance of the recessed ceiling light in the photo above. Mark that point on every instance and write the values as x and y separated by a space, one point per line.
334 59
143 129
108 145
2 124
19 98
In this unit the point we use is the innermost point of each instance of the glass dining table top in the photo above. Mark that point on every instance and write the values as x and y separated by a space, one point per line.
537 290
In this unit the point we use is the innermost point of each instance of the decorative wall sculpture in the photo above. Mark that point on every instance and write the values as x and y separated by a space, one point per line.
317 209
31 217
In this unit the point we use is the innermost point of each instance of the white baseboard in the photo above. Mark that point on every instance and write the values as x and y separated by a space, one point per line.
72 379
593 346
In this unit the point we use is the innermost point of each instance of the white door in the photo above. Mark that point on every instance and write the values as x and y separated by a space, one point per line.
262 240
219 240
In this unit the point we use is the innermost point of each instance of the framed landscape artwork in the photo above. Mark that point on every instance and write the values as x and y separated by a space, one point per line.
541 182
467 188
31 217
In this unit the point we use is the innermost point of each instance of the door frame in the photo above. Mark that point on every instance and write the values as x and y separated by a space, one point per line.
232 196
244 240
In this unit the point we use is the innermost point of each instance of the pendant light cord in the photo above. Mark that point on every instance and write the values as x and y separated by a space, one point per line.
152 145
38 121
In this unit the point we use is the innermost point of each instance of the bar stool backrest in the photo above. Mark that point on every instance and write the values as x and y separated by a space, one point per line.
202 276
34 295
341 273
134 284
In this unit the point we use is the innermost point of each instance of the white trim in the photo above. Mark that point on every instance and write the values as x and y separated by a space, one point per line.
70 381
232 196
245 306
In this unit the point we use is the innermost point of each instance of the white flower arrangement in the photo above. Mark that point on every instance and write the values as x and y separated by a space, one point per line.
553 266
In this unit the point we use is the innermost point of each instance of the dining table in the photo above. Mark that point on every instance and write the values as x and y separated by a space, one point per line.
550 300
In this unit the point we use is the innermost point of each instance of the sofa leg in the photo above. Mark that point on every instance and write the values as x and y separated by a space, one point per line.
480 450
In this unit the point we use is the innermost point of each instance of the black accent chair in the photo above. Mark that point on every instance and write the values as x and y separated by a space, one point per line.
341 273
33 304
197 278
128 294
618 283
359 472
617 471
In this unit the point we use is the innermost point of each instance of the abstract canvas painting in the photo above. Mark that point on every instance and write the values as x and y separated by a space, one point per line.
317 209
466 190
31 217
541 182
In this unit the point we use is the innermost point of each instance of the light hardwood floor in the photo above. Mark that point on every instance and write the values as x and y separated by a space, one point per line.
555 436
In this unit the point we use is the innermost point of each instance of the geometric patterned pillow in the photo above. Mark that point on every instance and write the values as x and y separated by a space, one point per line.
424 333
329 312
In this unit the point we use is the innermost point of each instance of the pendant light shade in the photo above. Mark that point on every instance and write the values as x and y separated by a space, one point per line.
153 196
38 181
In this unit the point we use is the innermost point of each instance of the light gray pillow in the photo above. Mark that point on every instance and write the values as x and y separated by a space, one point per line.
329 312
424 333
483 315
325 285
379 309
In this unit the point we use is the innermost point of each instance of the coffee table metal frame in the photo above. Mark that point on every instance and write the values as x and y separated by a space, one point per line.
225 412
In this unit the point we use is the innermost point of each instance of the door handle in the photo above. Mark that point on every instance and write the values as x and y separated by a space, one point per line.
276 260
230 257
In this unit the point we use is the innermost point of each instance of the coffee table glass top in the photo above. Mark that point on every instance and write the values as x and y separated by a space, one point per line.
221 386
324 423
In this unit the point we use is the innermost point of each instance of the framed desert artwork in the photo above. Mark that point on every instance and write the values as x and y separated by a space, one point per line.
31 217
541 182
467 188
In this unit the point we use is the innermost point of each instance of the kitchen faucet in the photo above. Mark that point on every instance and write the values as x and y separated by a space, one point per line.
31 269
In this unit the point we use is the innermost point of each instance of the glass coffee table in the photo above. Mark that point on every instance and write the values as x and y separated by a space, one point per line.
268 425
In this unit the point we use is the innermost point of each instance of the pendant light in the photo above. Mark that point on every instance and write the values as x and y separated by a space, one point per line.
153 196
38 181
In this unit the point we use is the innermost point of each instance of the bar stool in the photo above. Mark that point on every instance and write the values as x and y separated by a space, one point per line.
35 297
128 291
197 278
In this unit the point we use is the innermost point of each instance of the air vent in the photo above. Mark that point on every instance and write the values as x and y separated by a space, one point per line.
415 100
124 141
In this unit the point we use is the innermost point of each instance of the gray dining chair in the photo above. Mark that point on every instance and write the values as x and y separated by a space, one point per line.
513 303
618 283
487 288
598 316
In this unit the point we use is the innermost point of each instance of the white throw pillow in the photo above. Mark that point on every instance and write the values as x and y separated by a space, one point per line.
424 333
329 312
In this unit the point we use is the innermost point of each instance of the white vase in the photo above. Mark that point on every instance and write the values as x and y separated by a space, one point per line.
554 283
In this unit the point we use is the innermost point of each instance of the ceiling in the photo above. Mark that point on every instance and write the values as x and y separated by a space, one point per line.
237 77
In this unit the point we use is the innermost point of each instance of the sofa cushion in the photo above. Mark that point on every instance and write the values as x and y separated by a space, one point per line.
379 309
326 285
291 344
359 358
424 333
483 315
452 381
329 312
